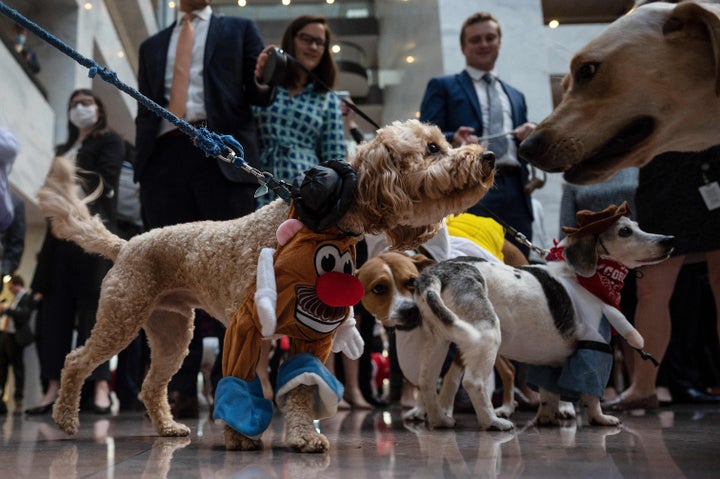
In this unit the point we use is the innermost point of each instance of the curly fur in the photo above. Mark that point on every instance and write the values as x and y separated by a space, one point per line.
408 180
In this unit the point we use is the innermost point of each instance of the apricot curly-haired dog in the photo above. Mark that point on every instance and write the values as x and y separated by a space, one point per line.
409 178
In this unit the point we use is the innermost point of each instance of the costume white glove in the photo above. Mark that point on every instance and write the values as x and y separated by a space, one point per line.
266 293
347 338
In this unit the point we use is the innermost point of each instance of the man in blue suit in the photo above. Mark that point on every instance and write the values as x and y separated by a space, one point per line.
459 105
178 183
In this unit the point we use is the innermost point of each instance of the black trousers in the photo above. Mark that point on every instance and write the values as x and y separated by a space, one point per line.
180 185
11 355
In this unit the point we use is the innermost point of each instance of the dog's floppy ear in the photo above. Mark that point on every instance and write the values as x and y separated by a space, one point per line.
421 261
581 254
688 15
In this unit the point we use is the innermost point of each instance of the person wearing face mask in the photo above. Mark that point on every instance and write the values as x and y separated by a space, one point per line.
67 279
25 52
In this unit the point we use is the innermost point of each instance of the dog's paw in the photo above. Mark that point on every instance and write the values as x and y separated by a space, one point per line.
441 422
66 418
604 420
172 429
505 411
500 424
307 439
566 410
234 441
414 414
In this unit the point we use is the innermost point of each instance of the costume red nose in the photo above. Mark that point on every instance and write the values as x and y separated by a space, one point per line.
339 289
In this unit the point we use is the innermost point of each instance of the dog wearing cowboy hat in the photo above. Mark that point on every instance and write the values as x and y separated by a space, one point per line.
558 315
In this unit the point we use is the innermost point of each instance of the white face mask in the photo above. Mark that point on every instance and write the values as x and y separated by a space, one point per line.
83 116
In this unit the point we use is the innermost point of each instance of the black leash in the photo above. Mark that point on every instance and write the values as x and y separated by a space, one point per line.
515 233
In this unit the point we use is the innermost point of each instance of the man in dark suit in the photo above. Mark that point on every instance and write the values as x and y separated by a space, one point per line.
460 106
178 183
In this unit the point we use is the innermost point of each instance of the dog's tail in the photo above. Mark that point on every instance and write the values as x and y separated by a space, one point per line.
70 218
430 299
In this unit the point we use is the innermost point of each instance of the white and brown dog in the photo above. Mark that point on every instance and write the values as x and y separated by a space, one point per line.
542 314
388 279
648 84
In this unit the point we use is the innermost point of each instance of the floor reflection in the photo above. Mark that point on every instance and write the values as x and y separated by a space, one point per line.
672 442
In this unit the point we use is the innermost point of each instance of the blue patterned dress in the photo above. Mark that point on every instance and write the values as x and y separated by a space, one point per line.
294 129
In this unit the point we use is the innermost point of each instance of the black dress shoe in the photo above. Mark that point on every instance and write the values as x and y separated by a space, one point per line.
101 410
40 410
693 396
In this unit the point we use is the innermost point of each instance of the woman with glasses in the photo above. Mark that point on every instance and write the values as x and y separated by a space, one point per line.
304 124
67 279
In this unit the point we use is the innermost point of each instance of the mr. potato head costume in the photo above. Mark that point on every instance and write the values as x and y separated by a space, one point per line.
305 289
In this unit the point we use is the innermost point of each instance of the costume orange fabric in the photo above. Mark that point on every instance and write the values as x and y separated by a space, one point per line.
301 313
305 290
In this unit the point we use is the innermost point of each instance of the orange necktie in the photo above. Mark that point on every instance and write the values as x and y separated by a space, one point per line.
181 70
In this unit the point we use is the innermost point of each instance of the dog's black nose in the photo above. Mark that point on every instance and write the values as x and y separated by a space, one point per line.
668 242
489 158
534 147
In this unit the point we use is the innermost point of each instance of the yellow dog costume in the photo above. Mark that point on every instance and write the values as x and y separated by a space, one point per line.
305 290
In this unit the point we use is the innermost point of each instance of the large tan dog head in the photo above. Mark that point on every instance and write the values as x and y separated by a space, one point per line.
646 85
409 179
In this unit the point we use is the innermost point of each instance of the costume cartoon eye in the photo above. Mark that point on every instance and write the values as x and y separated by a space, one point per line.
625 231
586 72
433 148
328 258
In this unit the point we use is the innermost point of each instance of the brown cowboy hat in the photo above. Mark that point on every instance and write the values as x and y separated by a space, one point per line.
596 222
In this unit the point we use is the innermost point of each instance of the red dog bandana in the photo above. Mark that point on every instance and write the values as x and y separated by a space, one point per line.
606 283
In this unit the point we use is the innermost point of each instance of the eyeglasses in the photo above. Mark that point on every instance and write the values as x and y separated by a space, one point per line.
83 102
310 40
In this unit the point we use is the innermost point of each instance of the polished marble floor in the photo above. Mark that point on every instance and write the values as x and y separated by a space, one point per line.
671 442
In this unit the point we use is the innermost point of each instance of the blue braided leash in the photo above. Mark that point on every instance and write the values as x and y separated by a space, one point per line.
223 147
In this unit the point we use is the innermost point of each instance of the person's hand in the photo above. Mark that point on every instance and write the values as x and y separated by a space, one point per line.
261 61
524 130
463 136
346 111
348 114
